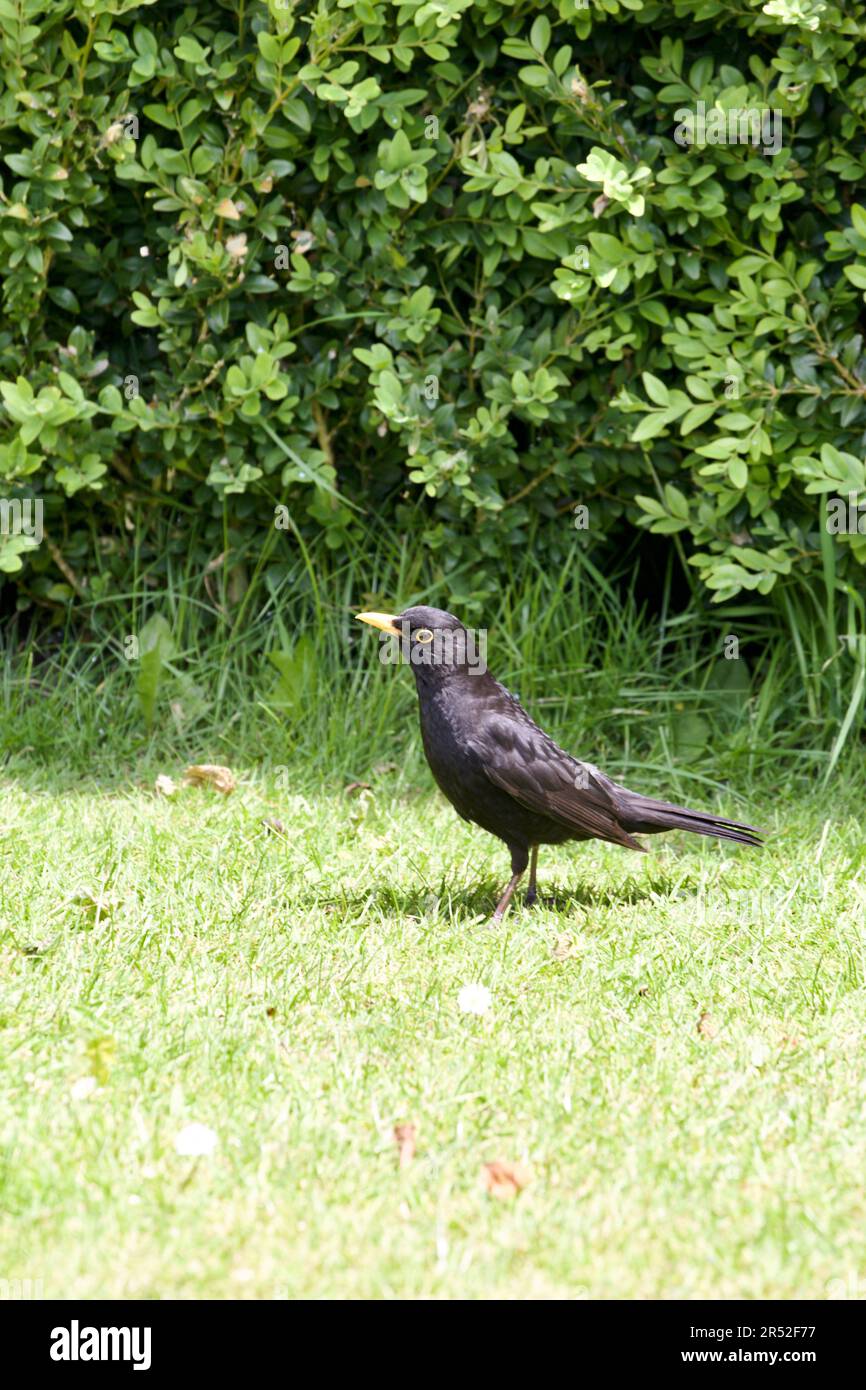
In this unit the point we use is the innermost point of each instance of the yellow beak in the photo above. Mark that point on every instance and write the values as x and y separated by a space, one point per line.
383 621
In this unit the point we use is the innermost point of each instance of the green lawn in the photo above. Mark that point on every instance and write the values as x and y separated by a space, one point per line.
674 1050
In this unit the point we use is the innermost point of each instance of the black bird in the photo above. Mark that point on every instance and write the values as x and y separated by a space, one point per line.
498 769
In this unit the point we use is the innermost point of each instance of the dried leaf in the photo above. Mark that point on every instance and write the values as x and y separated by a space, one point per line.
707 1027
228 209
405 1136
165 786
101 1053
504 1180
354 787
211 775
237 246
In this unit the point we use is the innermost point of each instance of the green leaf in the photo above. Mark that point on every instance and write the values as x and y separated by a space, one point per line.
539 34
155 649
655 389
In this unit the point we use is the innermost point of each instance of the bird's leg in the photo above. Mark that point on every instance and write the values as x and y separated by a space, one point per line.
531 894
506 898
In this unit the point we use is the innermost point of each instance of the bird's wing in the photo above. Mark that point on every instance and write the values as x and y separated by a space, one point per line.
523 761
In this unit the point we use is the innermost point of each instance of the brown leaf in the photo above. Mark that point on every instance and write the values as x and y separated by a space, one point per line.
504 1180
707 1027
227 208
222 779
237 246
405 1136
354 787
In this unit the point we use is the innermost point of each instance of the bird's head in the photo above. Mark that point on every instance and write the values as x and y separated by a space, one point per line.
433 642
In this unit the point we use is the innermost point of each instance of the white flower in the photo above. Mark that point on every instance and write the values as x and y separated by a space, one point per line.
195 1140
144 250
83 1087
474 999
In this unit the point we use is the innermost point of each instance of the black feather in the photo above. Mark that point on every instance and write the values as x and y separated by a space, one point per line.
500 770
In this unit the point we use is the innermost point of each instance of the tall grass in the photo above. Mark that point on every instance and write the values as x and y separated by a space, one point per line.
268 665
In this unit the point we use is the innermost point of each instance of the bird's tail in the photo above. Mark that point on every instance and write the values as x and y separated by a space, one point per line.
642 816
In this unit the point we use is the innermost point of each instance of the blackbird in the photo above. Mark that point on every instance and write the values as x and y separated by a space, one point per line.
498 769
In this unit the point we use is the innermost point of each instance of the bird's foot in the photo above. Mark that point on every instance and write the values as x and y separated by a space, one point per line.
531 897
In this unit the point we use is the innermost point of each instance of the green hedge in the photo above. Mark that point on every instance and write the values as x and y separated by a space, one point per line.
440 265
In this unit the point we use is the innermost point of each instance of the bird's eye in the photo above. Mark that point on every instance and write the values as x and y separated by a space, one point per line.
424 635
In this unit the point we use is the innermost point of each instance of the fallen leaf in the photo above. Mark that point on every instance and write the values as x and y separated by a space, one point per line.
356 787
211 775
564 948
479 109
165 786
504 1180
275 825
707 1027
100 1054
405 1136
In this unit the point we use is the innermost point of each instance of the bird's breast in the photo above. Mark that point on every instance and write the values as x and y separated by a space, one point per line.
448 719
